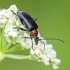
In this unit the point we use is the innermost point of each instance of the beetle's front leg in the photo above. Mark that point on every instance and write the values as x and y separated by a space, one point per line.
32 42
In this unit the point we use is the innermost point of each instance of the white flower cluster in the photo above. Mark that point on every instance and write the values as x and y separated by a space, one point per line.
46 56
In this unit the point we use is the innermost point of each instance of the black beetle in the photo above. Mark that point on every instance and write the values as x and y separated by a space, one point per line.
31 27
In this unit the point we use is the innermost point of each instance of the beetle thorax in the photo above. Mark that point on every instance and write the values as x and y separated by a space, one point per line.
34 33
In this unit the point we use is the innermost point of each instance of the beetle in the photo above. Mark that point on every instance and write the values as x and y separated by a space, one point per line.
31 27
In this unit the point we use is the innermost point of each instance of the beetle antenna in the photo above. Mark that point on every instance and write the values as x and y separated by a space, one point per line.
53 39
13 12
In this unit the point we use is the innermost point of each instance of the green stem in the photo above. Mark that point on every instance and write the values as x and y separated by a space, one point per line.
20 57
2 36
1 41
4 27
8 46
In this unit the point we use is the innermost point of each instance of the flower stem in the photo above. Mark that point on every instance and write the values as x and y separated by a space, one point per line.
4 27
0 40
8 46
20 57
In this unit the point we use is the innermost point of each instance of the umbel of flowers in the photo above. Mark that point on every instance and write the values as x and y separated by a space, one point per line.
11 41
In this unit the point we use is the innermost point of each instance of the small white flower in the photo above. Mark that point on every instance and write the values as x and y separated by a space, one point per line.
33 52
13 8
56 61
3 19
55 66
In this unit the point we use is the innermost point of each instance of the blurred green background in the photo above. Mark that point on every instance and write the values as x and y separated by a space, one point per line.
53 19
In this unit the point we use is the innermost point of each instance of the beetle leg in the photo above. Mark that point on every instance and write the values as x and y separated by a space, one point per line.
43 43
26 37
13 12
34 19
23 29
32 42
20 28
